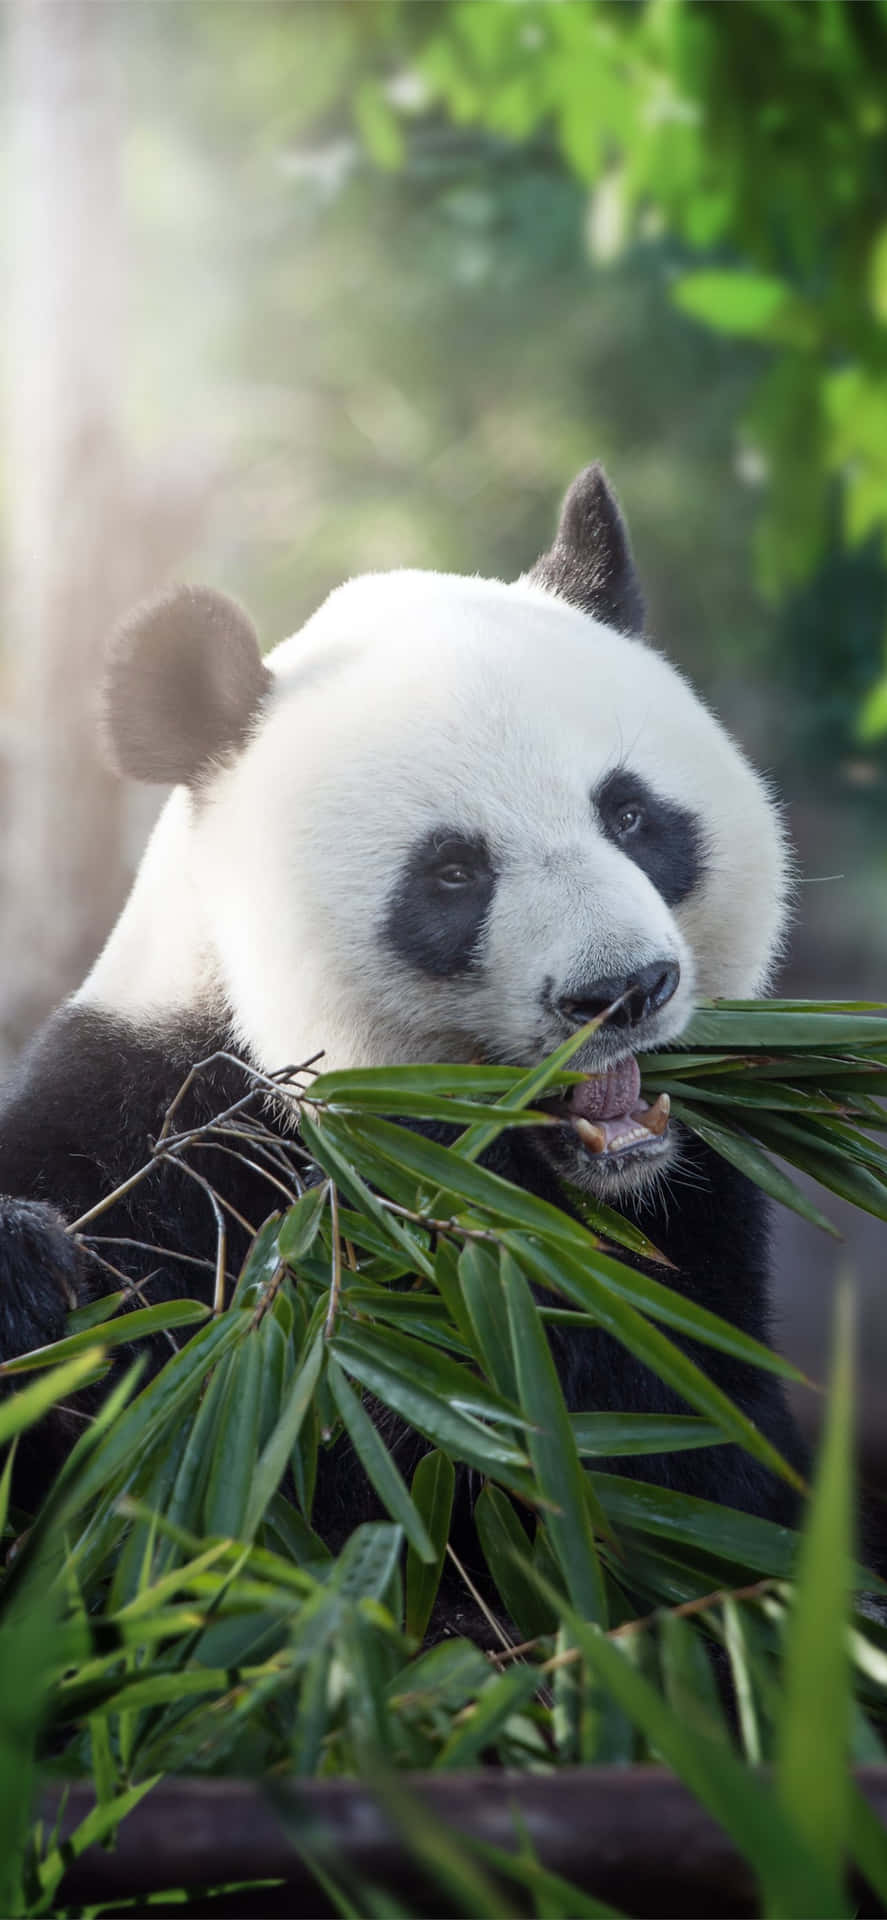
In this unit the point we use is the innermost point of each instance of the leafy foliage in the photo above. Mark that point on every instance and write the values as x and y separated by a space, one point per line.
756 135
168 1610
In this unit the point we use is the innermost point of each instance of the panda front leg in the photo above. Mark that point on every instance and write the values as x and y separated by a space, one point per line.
41 1280
41 1276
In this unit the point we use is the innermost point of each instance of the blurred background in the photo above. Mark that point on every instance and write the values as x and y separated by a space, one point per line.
297 290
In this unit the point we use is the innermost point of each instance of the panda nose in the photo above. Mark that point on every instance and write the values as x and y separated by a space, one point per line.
639 994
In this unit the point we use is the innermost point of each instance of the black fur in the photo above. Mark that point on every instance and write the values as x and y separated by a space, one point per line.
666 841
77 1119
590 563
435 921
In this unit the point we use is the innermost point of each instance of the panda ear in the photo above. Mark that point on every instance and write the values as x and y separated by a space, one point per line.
590 563
184 683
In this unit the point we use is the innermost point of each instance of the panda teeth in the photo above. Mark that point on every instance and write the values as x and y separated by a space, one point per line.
628 1139
594 1138
655 1120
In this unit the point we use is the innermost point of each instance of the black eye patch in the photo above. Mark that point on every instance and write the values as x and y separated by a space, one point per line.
666 841
437 911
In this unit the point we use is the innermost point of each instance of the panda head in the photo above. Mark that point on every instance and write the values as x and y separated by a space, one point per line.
451 817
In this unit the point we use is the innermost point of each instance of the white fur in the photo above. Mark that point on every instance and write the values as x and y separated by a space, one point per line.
412 700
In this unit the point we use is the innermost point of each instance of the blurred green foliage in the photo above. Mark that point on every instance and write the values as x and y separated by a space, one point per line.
477 244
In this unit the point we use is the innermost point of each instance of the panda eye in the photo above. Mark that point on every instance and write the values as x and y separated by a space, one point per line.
455 866
627 820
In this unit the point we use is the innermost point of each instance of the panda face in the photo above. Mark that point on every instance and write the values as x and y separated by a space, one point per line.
458 818
487 817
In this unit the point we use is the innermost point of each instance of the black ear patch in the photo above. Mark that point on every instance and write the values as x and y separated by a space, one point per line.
590 563
185 680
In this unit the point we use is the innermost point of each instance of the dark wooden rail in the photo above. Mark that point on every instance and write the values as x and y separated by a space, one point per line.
633 1837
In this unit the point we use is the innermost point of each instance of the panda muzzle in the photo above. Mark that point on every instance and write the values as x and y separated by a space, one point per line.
609 1114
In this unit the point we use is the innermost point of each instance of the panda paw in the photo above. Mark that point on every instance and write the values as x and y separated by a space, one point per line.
40 1276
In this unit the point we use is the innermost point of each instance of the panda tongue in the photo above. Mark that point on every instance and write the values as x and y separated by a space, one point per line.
608 1096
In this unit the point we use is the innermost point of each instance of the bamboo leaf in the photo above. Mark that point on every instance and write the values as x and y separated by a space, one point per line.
742 1804
648 1344
23 1409
235 1442
483 1293
389 1377
274 1458
434 1483
508 1555
757 1166
142 1324
812 1767
378 1463
495 1704
300 1226
552 1449
330 1147
621 1434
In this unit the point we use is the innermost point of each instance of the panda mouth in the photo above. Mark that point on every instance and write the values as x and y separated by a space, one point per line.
609 1115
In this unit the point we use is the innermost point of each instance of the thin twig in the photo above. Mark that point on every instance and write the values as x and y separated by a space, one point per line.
215 1146
147 1246
221 1232
478 1598
219 1199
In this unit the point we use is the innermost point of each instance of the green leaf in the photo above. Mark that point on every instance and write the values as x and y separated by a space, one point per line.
559 1271
757 1166
141 1324
533 1084
94 1312
329 1145
368 1562
379 126
434 1483
98 1825
813 1751
389 1377
754 1024
378 1463
391 1085
300 1226
552 1448
690 1685
483 1294
27 1659
274 1458
741 1803
831 1166
235 1442
502 1696
730 1534
508 1555
21 1410
553 1895
617 1434
732 301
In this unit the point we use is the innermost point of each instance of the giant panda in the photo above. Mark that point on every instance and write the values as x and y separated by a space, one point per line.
450 817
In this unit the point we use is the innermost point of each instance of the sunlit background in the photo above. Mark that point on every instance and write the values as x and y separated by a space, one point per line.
297 290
